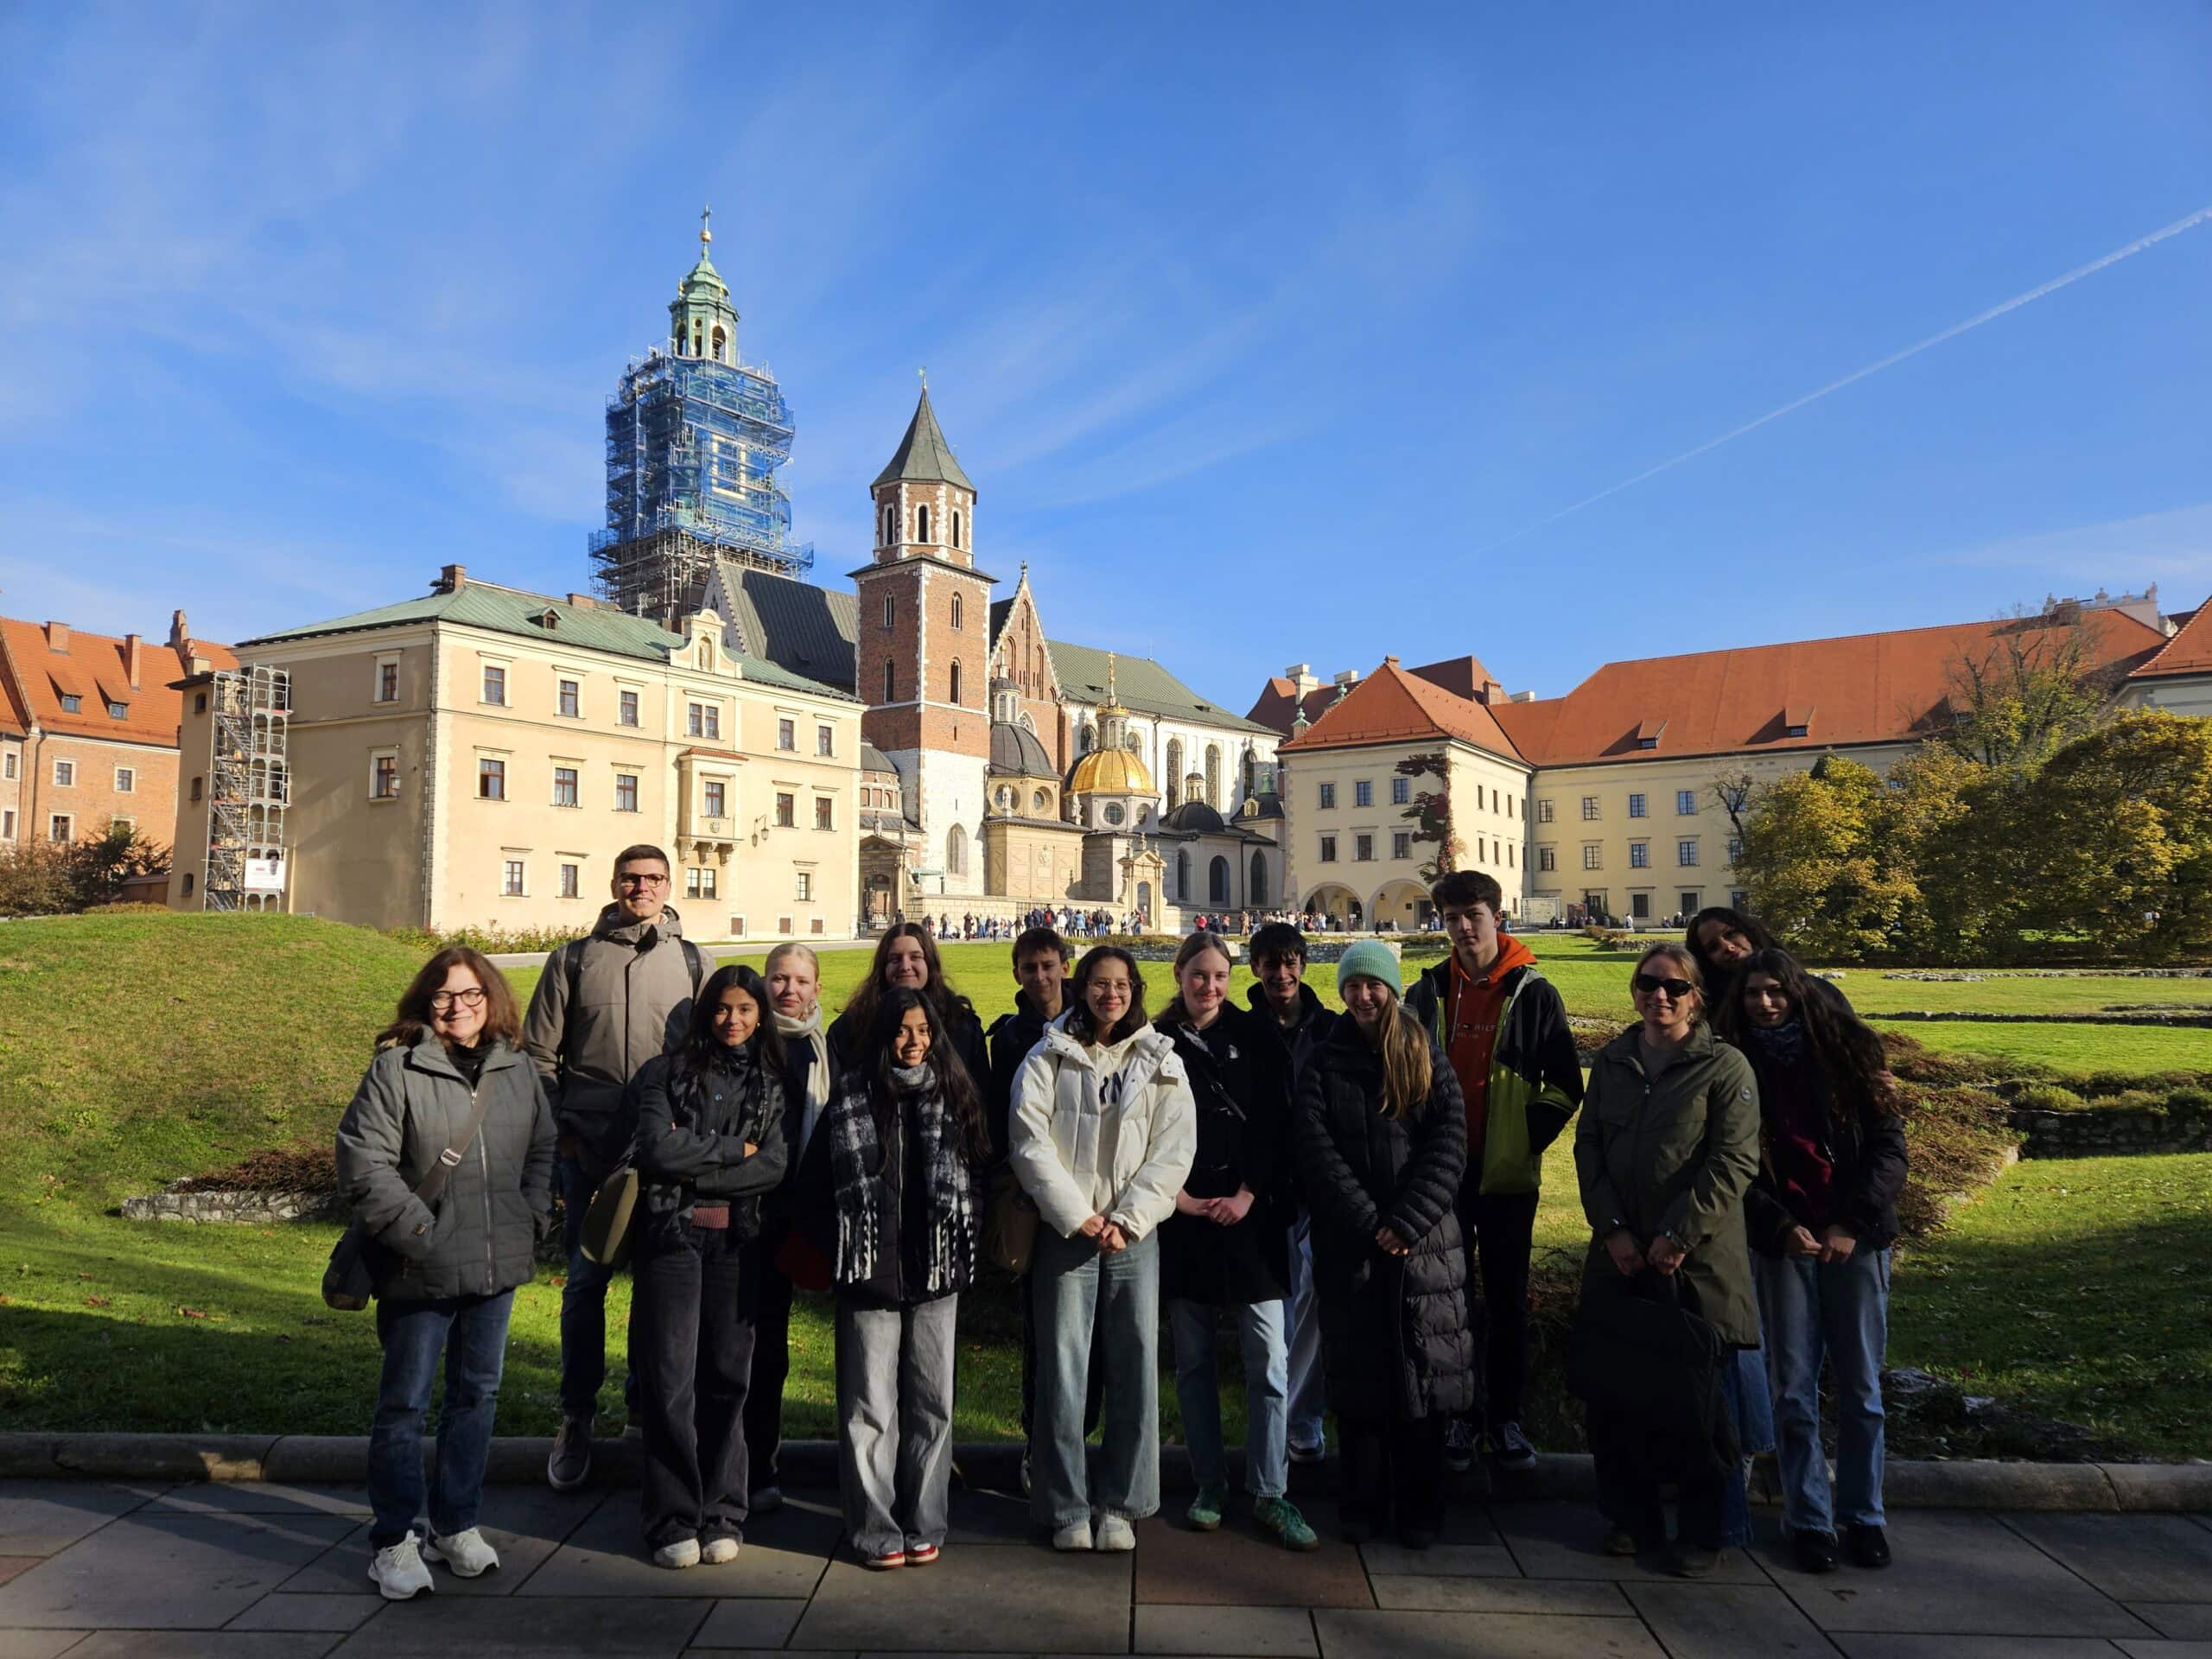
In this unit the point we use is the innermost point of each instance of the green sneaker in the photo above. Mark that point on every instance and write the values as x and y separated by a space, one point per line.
1280 1516
1205 1508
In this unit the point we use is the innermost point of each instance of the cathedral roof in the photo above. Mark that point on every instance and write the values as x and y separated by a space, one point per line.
1110 772
924 456
795 625
1017 754
1145 687
1196 818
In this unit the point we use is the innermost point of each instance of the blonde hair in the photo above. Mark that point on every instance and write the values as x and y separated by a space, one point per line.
1407 1077
1195 945
1683 959
792 948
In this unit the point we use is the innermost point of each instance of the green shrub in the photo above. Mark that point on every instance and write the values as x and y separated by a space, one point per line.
2190 1100
2045 1098
1914 1062
1955 1140
2131 1100
2105 1081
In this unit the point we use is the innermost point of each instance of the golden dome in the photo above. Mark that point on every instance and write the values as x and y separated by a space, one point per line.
1109 771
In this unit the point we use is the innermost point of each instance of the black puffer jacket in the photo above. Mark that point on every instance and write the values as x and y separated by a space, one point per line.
692 1132
1395 1336
412 1104
1240 1082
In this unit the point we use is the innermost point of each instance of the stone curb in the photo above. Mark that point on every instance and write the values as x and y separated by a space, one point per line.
309 1459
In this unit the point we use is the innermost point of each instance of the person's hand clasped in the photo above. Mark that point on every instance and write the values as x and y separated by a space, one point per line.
1188 1205
1390 1243
1628 1259
1838 1244
1801 1241
1093 1228
1228 1212
1664 1253
1112 1240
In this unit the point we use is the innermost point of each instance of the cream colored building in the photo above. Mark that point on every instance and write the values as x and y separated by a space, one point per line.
480 755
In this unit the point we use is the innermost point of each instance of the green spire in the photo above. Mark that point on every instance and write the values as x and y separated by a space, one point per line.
701 304
924 456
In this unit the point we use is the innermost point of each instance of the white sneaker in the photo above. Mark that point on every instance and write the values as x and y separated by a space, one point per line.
1076 1536
1114 1532
398 1571
684 1552
716 1551
465 1553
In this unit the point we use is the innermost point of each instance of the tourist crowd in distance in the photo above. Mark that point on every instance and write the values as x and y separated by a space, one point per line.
1357 1193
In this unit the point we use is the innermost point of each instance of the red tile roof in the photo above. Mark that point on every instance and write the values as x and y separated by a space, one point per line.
96 670
1280 705
1867 688
1392 705
2189 652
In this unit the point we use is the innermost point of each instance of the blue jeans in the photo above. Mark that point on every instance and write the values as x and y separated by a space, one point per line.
1743 1379
1266 1416
470 1332
1841 1310
1075 1287
894 1411
1307 1396
583 1305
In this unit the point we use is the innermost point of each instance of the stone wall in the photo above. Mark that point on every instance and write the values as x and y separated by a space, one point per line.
2091 1132
238 1207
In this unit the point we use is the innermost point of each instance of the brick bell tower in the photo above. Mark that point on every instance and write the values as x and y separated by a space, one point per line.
924 626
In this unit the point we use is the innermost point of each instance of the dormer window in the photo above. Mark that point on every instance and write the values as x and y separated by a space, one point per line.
71 702
1797 720
1646 734
548 619
117 710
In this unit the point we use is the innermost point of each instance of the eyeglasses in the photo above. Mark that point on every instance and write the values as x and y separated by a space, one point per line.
1651 985
445 1002
627 881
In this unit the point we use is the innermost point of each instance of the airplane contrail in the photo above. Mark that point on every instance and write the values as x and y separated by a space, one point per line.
2201 216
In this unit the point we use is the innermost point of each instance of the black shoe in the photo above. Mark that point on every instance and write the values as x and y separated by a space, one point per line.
1354 1526
1870 1546
1417 1538
1619 1541
1815 1550
1695 1562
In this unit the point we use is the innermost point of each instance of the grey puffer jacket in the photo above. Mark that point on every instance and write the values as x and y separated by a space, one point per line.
634 985
482 1238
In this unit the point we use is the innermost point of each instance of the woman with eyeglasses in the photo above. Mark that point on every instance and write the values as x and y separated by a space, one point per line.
1665 1148
445 1271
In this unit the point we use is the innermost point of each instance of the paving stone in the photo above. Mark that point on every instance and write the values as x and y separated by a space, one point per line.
2129 1557
980 1517
2154 1649
1505 1635
1242 1567
37 1645
1727 1621
1973 1647
1442 1561
526 1524
590 1628
12 1565
986 1597
38 1517
290 1612
1225 1631
746 1623
1559 1540
167 1570
1956 1572
1578 1598
265 1497
784 1555
205 1644
2184 1621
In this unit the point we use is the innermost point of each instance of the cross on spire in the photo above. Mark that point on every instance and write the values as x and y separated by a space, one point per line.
706 234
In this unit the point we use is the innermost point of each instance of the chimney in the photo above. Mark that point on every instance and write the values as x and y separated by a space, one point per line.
57 637
1389 662
1301 676
1348 676
1490 692
452 578
583 601
1523 696
180 632
131 657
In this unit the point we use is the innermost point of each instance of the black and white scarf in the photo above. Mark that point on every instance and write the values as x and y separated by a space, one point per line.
861 1193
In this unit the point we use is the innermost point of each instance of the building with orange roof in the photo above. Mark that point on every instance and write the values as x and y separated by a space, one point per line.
88 728
1617 796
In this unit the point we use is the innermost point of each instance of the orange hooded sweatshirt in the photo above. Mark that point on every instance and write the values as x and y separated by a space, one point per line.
1470 1018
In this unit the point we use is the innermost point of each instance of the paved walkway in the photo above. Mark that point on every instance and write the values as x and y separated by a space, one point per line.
250 1571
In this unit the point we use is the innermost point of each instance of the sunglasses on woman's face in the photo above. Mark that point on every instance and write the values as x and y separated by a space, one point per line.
1651 985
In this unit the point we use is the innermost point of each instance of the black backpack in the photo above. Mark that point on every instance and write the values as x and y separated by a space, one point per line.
1640 1356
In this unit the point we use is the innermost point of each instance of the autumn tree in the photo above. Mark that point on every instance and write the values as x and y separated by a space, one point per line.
1821 860
2033 687
1431 810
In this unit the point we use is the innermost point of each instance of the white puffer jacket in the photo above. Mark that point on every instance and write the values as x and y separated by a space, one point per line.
1105 1131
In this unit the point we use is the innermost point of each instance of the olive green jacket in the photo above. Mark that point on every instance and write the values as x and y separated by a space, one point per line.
1675 1156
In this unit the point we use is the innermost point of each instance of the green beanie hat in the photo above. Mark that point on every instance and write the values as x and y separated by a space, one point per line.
1372 958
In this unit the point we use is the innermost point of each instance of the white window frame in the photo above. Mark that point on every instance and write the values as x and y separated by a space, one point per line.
389 659
375 756
126 780
514 878
65 773
66 819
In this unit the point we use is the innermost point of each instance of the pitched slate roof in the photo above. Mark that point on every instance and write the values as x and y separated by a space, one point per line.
1867 688
2189 652
1143 685
924 456
1394 706
515 611
805 629
95 668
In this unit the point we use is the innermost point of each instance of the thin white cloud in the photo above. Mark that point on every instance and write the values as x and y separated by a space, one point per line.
2174 546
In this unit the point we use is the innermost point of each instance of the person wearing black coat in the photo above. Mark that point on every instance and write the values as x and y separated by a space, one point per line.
709 1149
907 958
1228 1243
1820 1217
1380 1135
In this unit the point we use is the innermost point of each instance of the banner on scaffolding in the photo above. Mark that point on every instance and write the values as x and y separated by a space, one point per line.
264 875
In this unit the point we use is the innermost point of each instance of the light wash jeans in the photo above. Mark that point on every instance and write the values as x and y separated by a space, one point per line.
1841 1310
1074 1287
1308 1396
894 1409
1266 1407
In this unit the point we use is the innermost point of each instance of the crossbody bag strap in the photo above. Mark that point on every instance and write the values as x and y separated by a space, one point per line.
434 1183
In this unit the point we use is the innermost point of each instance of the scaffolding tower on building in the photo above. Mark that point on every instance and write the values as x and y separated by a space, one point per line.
249 787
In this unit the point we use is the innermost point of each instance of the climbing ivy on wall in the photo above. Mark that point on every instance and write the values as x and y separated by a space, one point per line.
1431 810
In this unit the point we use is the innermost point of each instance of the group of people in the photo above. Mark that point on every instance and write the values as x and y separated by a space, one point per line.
1335 1186
1077 924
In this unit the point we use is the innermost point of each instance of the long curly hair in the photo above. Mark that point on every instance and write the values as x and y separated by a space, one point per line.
1717 973
944 1001
955 1088
701 1047
1842 1046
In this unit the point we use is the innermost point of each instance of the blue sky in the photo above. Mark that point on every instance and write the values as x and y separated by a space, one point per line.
1268 334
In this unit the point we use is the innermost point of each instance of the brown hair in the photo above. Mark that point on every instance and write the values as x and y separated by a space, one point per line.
502 1018
1196 944
1842 1045
948 1002
1078 1013
1407 1074
643 849
1682 957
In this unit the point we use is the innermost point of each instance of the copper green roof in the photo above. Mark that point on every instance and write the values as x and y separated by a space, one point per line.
704 274
514 611
924 456
1144 687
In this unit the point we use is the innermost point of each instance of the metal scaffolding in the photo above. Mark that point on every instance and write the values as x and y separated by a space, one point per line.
693 444
248 786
